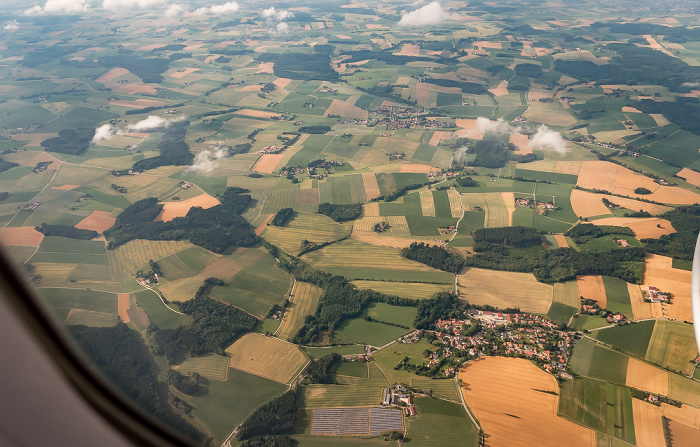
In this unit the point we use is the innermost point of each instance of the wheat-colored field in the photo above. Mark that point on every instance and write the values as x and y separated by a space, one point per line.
304 301
505 289
267 357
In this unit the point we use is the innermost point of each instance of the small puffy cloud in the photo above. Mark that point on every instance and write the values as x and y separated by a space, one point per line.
175 10
546 138
690 84
486 125
11 26
104 132
59 7
205 161
430 14
282 28
272 13
225 8
152 123
120 4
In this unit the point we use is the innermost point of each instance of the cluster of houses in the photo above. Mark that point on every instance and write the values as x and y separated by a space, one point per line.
153 279
624 243
508 334
31 206
291 170
397 396
654 295
271 149
120 172
185 184
590 307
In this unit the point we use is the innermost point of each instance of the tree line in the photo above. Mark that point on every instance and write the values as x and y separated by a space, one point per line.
66 231
584 232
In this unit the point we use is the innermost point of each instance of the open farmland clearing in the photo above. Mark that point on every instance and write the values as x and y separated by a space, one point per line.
181 289
21 236
316 228
264 356
348 391
226 267
521 381
643 227
645 377
171 210
592 287
586 204
411 290
441 389
505 289
426 203
211 366
672 346
99 221
304 301
128 257
497 212
658 272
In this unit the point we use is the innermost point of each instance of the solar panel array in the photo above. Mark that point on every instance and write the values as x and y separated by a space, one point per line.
355 421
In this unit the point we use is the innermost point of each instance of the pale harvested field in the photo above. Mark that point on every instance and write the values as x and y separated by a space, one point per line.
640 308
628 109
660 119
409 49
371 190
496 387
266 356
304 301
658 272
643 227
265 67
505 289
256 113
550 113
683 435
211 366
282 82
263 226
135 89
521 142
636 205
561 240
673 195
627 180
597 175
685 415
33 139
181 289
150 47
645 377
536 95
491 45
367 223
416 168
171 210
455 203
53 271
112 74
427 204
370 209
497 212
345 110
182 74
438 136
99 221
501 89
136 104
343 36
226 267
123 306
125 258
648 428
591 286
65 187
22 236
251 88
509 201
690 176
267 163
370 237
411 290
465 123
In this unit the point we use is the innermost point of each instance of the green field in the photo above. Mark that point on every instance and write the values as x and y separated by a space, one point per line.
618 296
318 352
632 338
211 366
61 301
561 313
348 392
256 288
445 389
316 228
159 315
439 423
401 315
594 361
388 358
354 369
359 330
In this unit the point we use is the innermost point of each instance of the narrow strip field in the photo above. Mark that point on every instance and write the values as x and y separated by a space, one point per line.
455 203
304 301
427 204
411 290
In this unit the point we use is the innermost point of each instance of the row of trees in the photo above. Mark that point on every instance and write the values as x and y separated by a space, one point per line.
66 231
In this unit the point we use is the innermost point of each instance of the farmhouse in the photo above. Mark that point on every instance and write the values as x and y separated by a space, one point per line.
654 295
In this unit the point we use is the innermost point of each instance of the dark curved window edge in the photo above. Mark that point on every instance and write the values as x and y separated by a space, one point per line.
108 402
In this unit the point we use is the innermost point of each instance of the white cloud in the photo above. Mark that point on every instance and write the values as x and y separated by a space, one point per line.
430 14
546 138
104 132
175 10
272 13
282 28
205 161
59 7
119 4
224 8
690 84
152 123
11 26
485 125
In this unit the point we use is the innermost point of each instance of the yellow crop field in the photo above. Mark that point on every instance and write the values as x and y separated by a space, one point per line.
442 389
181 289
126 258
53 271
398 226
455 203
505 289
497 213
412 290
211 366
313 227
268 357
367 223
304 301
567 293
672 346
427 204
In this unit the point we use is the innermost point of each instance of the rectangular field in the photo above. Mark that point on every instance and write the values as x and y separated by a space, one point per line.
412 290
304 226
304 301
505 289
266 357
497 212
348 391
445 389
356 421
672 345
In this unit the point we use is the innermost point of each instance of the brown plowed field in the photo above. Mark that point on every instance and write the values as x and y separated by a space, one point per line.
658 272
112 74
628 109
502 393
643 227
591 286
267 163
501 90
171 210
645 377
438 136
261 228
685 415
648 428
123 306
182 74
416 168
561 240
683 435
23 236
587 204
521 142
282 82
99 221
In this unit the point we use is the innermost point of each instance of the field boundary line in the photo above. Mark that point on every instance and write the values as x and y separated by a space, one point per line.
464 403
291 294
162 300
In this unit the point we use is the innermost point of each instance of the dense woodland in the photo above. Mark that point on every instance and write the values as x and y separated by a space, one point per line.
70 141
434 256
282 217
124 359
66 231
340 213
214 327
217 229
276 417
301 66
491 153
442 305
506 236
584 232
320 371
681 244
173 149
5 165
